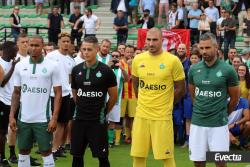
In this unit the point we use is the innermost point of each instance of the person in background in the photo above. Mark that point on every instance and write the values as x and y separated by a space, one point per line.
55 23
229 58
39 6
15 22
133 5
62 5
164 4
150 5
236 62
241 11
246 29
76 34
244 78
194 16
203 25
146 21
49 47
172 16
220 31
213 15
229 25
121 48
120 25
246 56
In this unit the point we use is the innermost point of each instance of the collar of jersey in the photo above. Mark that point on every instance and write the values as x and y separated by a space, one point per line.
38 62
216 62
92 67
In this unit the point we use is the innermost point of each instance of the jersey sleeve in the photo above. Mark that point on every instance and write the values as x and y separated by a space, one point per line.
73 83
56 77
232 78
190 76
17 76
134 67
245 103
177 70
111 78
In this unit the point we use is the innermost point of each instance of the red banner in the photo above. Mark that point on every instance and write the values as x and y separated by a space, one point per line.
171 38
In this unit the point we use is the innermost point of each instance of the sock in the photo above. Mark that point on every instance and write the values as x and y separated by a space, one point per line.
139 162
77 162
111 134
118 135
169 162
127 133
187 138
23 160
104 162
12 150
48 161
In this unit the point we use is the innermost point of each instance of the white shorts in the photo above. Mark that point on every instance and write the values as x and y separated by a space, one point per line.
203 139
115 113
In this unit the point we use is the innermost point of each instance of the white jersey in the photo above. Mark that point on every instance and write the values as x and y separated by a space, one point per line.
78 59
65 63
21 56
6 91
36 81
104 60
119 80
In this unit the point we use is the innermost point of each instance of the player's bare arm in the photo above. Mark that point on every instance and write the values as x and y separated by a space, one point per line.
9 74
57 104
191 88
74 93
15 100
113 95
1 74
234 94
180 90
136 84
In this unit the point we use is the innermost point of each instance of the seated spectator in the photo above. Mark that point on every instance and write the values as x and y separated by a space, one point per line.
239 124
146 21
121 27
230 56
150 5
203 25
172 16
229 25
194 16
244 78
237 61
164 4
246 29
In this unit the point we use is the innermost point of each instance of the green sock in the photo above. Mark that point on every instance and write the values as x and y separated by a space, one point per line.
111 134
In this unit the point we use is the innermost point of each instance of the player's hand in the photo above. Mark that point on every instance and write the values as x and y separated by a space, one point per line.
52 126
110 63
15 61
129 62
12 123
230 126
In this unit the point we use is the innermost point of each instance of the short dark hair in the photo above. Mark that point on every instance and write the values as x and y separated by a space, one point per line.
130 46
89 10
22 35
174 5
106 40
9 47
91 39
38 37
63 34
51 44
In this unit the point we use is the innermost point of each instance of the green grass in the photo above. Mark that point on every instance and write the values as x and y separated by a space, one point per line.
119 157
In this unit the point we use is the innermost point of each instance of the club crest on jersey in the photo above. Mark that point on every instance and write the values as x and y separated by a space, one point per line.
162 66
98 74
219 74
44 70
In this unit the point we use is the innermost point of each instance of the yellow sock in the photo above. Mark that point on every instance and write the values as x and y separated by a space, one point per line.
127 133
139 162
118 135
170 162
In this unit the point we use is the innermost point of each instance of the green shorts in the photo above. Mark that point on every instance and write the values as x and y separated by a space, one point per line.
27 133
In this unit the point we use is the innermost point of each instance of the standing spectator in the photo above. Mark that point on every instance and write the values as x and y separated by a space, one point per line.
226 4
74 3
181 19
242 7
63 3
91 23
164 4
220 31
15 22
89 128
194 16
189 4
121 26
119 5
55 23
203 25
229 25
39 6
146 20
91 2
9 2
246 29
172 16
150 5
203 4
213 15
103 54
133 5
76 34
209 129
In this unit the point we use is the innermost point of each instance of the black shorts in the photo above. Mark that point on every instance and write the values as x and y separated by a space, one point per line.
91 133
4 117
72 108
64 114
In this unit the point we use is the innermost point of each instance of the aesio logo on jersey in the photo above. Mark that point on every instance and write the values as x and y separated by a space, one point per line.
206 93
151 86
89 94
26 89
